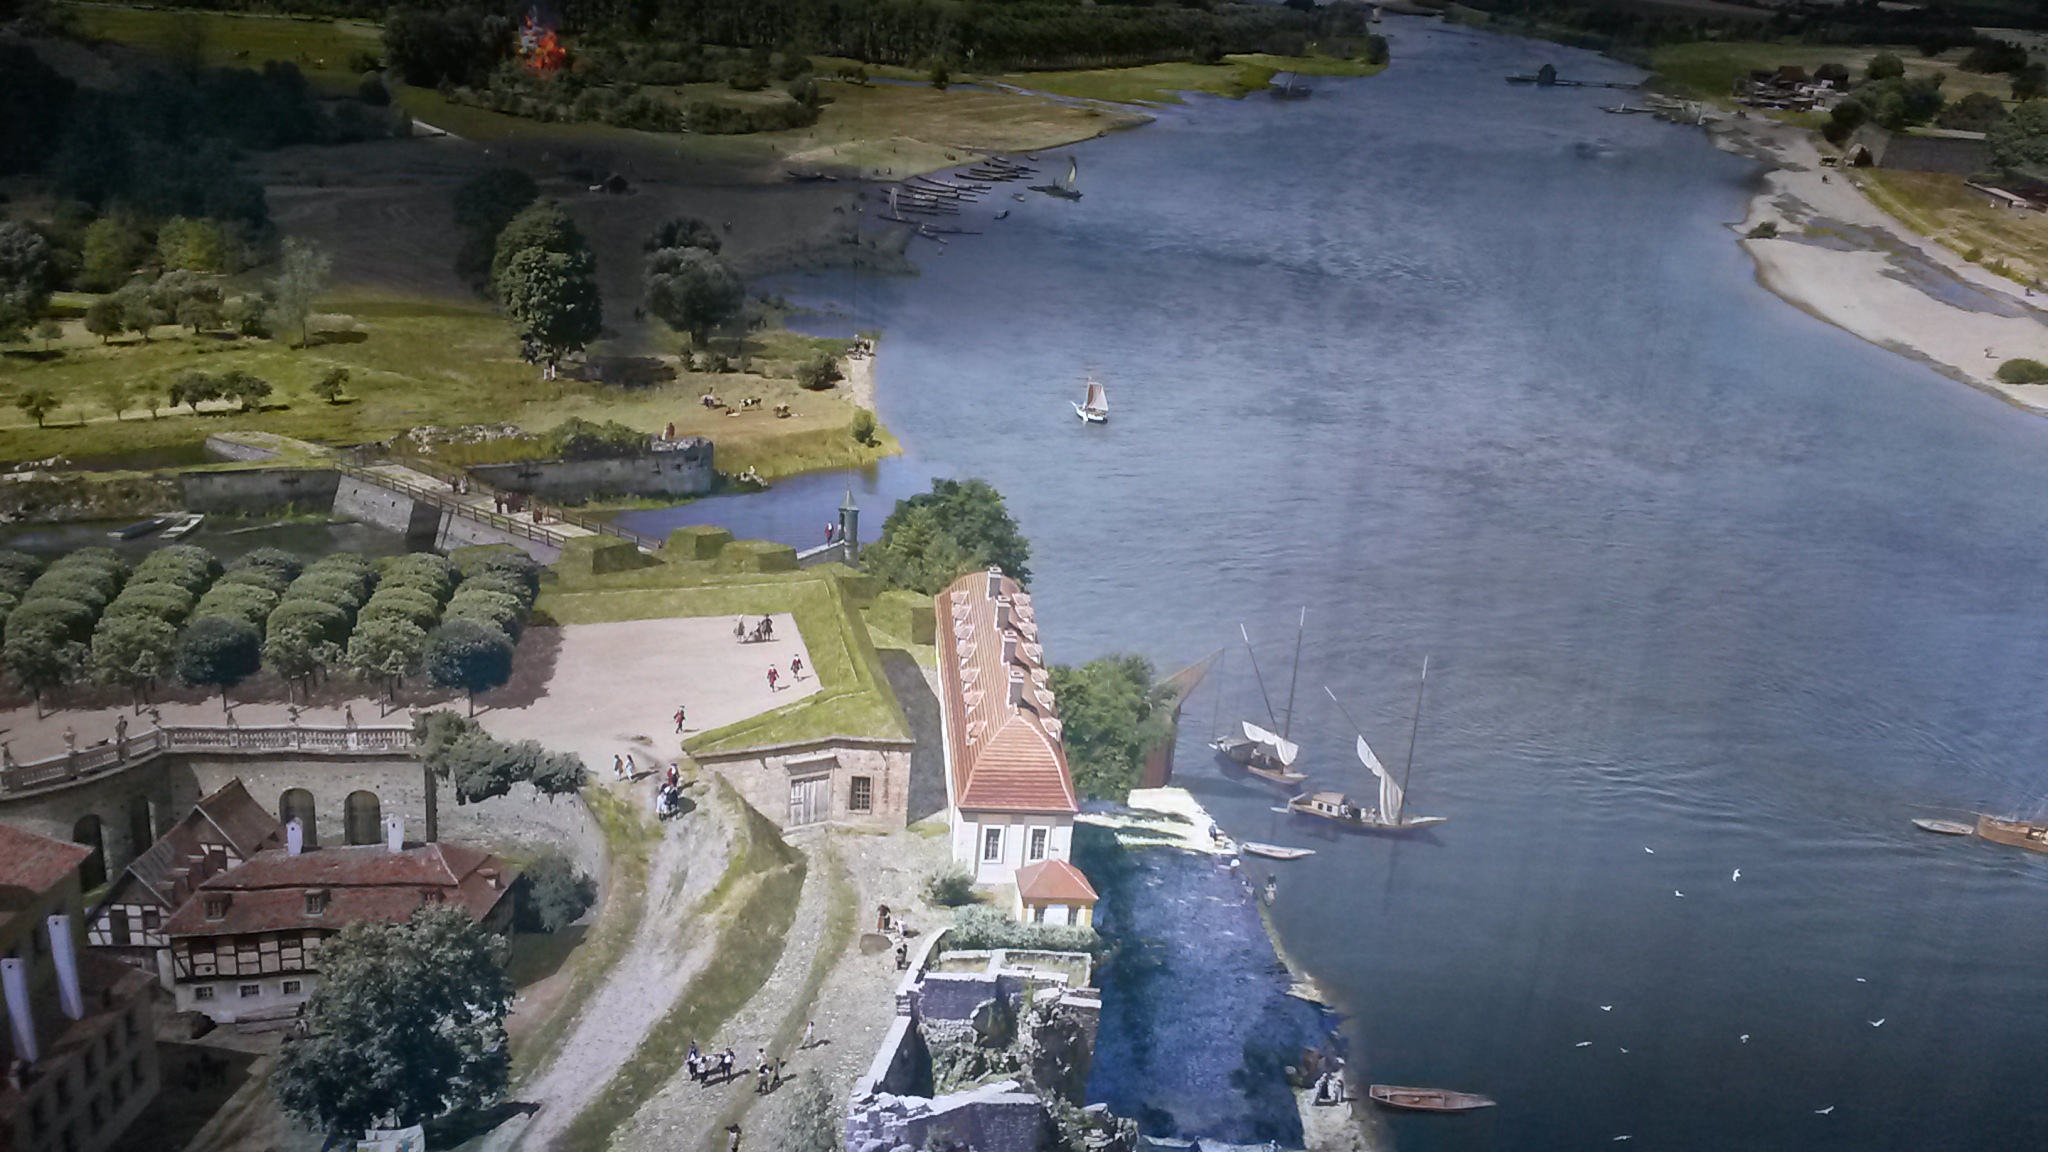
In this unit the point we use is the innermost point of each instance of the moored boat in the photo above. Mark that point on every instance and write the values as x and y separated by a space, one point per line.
2018 833
140 528
1945 827
1427 1099
186 524
1274 851
1387 816
1065 190
1095 408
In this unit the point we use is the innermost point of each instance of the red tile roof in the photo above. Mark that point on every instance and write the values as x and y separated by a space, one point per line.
1054 880
366 882
1004 755
176 862
36 863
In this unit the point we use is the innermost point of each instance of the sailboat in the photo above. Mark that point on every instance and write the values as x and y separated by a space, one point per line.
1292 90
1065 190
1389 814
1095 409
1266 754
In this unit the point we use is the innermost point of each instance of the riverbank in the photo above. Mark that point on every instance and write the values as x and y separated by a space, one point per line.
1841 258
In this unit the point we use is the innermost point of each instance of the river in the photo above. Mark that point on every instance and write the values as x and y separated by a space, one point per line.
1477 373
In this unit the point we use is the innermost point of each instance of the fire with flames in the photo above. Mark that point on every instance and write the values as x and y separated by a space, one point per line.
539 47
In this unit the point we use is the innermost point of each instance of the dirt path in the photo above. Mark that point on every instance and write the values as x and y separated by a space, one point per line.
651 973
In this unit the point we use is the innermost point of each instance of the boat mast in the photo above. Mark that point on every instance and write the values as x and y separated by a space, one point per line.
1255 672
1299 629
1416 726
1216 715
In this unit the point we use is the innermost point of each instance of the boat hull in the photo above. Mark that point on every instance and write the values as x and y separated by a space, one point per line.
2018 833
1358 817
1274 851
1943 827
1245 755
1427 1099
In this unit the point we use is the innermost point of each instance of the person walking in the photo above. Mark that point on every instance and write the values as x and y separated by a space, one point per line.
682 713
631 771
772 673
739 629
796 667
618 767
810 1030
732 1138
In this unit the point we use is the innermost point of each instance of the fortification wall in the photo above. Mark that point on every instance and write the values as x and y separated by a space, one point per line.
683 471
259 490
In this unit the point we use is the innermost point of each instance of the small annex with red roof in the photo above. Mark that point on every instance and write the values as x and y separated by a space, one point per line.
1008 791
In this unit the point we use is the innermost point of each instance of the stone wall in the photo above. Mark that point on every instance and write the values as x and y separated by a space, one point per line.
683 471
419 522
258 490
763 777
998 1117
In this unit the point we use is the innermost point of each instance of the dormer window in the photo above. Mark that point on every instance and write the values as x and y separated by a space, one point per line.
316 901
216 906
430 896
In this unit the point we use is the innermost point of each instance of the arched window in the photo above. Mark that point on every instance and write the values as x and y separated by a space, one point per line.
365 819
297 804
93 872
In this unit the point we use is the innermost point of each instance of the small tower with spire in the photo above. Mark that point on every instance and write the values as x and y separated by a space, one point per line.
849 527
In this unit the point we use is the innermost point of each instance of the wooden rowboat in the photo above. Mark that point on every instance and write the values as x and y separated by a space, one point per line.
1427 1099
1275 851
2017 833
1945 827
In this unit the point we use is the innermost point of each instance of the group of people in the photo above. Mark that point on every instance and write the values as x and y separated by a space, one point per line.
763 631
707 1068
668 801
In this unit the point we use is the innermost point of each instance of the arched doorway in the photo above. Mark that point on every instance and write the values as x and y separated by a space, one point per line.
93 872
364 818
297 804
140 834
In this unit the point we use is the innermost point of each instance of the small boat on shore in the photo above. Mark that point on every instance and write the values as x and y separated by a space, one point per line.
140 528
186 524
1427 1099
1095 408
1274 851
2018 833
1944 827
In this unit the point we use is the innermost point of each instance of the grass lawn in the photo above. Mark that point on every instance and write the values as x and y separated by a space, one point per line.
1163 83
1708 69
854 700
751 911
321 48
1940 206
410 363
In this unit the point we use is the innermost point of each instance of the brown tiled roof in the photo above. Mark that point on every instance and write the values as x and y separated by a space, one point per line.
1054 880
241 820
36 863
1004 756
178 854
366 882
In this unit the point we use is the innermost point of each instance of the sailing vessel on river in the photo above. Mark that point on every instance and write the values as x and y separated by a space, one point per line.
2018 833
1065 190
1390 814
1263 753
1094 409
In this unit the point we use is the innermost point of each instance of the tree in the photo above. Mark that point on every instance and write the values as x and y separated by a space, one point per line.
110 252
932 538
103 318
2020 142
819 372
684 232
467 655
811 1122
330 385
41 655
1112 716
1884 66
113 396
482 768
1975 112
49 332
141 312
134 650
557 774
198 314
385 648
27 273
219 651
693 291
194 245
296 651
244 389
302 273
408 1023
863 426
37 403
553 302
2030 82
541 225
554 892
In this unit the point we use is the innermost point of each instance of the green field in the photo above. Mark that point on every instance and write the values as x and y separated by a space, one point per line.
1163 83
1708 69
321 48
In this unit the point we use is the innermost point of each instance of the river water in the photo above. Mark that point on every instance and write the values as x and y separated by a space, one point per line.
1477 373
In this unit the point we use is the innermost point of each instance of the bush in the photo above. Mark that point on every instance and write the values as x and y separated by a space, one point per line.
982 928
283 563
219 650
468 654
335 588
2023 372
245 602
863 427
436 575
1885 66
1768 230
500 584
167 602
185 565
819 372
18 570
398 603
315 618
493 609
51 614
268 579
552 893
577 439
951 888
77 586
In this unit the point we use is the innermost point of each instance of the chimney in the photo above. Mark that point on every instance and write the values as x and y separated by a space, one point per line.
394 833
294 837
1009 647
1002 613
1016 687
14 982
64 953
995 581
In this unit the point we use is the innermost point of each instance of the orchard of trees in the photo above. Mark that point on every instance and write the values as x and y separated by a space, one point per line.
180 614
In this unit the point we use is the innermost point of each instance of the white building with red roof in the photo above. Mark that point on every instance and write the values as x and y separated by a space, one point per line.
1009 794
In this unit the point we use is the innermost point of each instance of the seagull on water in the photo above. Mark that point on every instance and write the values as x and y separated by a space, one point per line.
1745 1037
1653 852
1861 980
1879 1022
1607 1007
1619 1139
1736 877
1583 1044
1677 893
1623 1049
1823 1111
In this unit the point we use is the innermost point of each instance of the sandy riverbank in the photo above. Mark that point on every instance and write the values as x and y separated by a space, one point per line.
1841 258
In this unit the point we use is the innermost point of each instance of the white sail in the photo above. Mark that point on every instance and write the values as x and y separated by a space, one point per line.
1073 171
1284 750
1390 792
894 210
1098 399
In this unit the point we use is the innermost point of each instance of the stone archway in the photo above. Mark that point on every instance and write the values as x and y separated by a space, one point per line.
297 804
141 830
363 818
93 872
